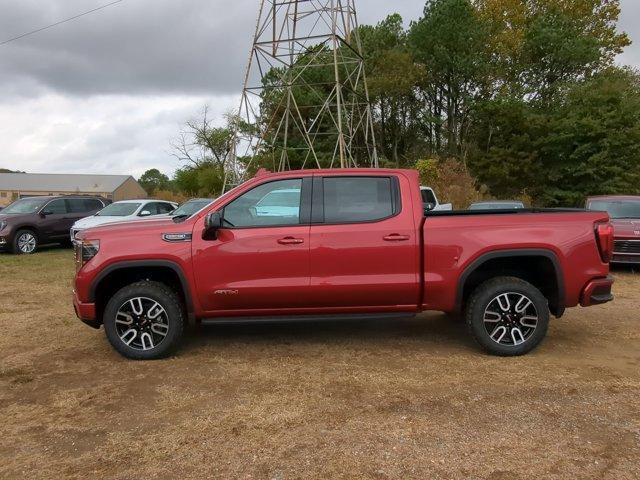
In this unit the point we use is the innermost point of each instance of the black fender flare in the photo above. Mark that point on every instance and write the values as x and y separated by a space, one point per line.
123 265
482 259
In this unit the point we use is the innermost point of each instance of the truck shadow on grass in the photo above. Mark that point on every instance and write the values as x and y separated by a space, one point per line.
425 330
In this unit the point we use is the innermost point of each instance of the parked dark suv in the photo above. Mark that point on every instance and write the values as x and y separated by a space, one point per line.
30 222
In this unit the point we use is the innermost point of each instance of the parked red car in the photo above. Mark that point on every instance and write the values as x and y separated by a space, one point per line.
625 218
357 244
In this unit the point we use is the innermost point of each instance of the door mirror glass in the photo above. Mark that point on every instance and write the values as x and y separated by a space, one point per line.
46 212
429 206
145 213
212 223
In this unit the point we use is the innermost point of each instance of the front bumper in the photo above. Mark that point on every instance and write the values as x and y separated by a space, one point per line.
625 258
626 250
597 292
86 312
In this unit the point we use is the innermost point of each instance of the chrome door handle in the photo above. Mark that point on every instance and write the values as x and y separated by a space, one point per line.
290 241
396 238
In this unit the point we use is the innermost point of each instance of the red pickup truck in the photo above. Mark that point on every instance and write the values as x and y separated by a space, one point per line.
340 244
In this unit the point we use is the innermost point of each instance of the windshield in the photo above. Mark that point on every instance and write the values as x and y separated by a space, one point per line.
190 207
26 205
617 209
119 210
428 197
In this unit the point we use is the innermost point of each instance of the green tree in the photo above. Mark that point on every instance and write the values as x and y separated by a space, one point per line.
154 180
449 43
392 77
587 144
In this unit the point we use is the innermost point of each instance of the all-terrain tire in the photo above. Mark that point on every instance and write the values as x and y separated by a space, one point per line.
489 320
25 242
172 320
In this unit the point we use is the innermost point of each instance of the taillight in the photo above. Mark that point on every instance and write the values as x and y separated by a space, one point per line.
605 239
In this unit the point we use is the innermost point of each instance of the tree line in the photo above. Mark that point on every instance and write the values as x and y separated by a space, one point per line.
487 98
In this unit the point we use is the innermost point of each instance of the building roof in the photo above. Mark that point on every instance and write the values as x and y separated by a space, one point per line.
61 182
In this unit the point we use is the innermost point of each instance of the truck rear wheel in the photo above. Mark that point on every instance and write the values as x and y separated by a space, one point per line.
144 321
507 316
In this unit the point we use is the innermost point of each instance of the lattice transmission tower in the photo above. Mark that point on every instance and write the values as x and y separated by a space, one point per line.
305 102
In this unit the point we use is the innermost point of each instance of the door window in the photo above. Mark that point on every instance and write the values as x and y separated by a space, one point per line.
157 208
92 204
164 208
358 199
56 207
83 205
270 204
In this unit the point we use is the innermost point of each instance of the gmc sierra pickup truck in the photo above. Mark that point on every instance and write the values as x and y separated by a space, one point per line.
340 244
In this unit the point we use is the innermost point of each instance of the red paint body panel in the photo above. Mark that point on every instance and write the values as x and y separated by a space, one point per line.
248 269
453 243
401 264
354 265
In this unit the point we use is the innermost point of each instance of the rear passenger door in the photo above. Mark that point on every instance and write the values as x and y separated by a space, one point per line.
364 247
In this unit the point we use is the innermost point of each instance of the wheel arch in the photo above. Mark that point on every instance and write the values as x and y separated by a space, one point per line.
535 266
28 226
120 274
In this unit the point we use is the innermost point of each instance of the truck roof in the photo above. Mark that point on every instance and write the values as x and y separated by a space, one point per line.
336 171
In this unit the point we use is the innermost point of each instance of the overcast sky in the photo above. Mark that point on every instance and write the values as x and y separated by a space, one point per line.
107 93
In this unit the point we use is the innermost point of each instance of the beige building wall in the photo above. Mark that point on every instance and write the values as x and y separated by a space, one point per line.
129 190
6 197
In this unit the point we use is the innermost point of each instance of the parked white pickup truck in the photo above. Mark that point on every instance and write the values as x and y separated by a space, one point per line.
431 202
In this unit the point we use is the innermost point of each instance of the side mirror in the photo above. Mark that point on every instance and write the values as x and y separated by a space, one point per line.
44 213
428 206
145 213
212 223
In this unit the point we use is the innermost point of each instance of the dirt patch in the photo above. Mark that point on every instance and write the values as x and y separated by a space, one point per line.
382 400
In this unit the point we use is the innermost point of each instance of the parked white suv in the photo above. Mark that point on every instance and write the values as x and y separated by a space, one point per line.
124 211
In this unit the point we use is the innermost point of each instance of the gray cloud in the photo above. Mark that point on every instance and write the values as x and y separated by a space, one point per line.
139 46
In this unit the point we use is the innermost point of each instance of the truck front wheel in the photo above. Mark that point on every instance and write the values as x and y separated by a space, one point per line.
507 316
144 321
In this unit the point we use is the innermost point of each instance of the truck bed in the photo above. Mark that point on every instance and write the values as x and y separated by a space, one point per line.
459 243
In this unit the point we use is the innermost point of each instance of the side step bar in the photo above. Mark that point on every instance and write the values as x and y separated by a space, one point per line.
306 318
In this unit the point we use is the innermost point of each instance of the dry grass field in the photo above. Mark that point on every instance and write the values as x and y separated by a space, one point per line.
383 400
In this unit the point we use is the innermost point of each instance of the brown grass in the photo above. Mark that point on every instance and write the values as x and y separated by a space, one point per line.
382 400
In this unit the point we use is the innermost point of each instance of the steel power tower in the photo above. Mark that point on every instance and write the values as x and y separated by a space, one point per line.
305 102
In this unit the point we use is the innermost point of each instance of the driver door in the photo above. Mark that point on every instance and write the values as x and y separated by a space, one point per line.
55 221
259 262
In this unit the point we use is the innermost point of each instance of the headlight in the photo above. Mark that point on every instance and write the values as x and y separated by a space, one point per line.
85 250
2 225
